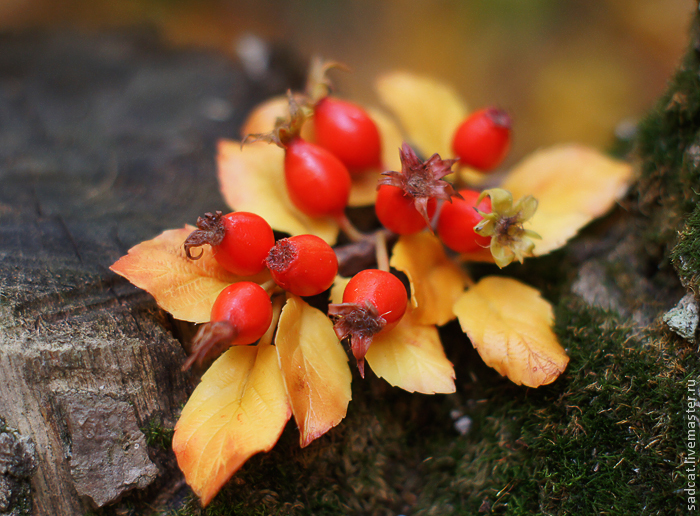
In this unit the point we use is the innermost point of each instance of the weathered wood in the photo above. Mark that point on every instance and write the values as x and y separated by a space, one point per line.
104 142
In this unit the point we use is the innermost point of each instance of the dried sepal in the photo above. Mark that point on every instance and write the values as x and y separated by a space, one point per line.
318 85
210 341
210 230
360 322
509 239
422 180
286 128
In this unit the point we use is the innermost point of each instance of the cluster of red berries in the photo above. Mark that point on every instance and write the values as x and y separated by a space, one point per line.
318 178
244 244
406 202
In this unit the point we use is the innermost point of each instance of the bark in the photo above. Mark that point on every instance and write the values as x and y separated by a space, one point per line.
105 141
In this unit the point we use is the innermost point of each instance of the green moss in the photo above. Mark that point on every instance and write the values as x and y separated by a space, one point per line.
686 253
157 435
669 146
607 434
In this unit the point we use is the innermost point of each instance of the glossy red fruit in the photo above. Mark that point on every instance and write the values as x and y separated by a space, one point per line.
240 240
347 131
304 265
247 240
457 220
383 290
483 139
241 314
247 307
318 183
397 211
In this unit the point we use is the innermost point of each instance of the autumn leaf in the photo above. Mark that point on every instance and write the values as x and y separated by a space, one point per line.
252 179
314 367
410 356
510 325
436 281
185 288
573 184
428 110
239 409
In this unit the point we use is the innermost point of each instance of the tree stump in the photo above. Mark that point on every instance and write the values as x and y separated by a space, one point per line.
105 141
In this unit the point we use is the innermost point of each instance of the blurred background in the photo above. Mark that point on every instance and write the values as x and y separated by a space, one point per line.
567 70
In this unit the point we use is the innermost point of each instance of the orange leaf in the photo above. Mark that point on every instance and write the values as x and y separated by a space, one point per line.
185 288
573 185
315 369
428 110
252 179
239 409
436 281
410 356
510 325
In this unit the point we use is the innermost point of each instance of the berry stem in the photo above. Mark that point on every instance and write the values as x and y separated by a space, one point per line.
277 303
381 251
354 234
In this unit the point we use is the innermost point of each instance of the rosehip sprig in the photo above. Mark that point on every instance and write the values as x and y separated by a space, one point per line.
304 265
240 240
420 181
373 301
318 183
457 219
482 141
241 314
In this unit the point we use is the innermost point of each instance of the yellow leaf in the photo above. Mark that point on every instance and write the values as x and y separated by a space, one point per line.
510 325
338 288
428 110
239 409
410 356
573 184
436 281
315 369
185 288
252 179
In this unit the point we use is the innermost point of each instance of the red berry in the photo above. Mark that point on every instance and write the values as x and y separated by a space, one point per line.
483 139
346 130
247 307
383 290
318 183
240 240
373 301
457 220
397 211
304 265
241 314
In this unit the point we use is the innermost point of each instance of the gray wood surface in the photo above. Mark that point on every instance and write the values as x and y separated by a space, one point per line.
105 141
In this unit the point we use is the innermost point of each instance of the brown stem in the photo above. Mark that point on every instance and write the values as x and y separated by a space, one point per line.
210 341
277 303
381 251
350 230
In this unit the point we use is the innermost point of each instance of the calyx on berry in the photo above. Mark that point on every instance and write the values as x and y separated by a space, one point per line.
421 180
373 301
210 230
509 239
286 128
